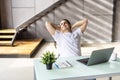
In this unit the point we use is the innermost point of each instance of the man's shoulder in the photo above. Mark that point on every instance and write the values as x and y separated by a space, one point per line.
77 31
57 32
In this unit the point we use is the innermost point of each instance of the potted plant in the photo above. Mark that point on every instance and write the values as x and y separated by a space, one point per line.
48 58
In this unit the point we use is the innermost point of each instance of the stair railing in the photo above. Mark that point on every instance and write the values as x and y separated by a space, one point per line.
32 20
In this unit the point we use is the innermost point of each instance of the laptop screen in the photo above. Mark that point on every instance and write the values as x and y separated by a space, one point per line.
99 56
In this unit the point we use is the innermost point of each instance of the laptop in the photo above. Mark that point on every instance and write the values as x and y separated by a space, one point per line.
98 56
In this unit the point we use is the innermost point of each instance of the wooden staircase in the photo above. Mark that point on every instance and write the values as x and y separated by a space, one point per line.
7 36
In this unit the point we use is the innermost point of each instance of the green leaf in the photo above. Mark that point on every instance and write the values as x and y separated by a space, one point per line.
48 57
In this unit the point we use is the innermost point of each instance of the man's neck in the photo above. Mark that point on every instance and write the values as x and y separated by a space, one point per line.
66 31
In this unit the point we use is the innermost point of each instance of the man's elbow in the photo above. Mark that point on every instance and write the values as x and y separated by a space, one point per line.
47 23
86 20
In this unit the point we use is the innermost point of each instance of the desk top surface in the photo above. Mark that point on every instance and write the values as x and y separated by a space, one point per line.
78 70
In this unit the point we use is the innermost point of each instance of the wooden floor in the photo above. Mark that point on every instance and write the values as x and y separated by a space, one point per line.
22 48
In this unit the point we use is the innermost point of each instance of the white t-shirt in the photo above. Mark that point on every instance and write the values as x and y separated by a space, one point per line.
68 43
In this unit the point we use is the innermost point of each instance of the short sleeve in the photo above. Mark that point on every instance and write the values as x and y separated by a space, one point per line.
78 31
56 35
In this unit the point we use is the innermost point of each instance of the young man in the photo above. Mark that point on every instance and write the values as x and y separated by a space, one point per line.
68 41
67 36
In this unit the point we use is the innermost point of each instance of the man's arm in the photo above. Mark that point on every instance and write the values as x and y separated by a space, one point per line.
81 24
51 27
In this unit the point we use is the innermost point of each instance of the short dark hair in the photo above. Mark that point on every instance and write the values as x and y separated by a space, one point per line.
67 22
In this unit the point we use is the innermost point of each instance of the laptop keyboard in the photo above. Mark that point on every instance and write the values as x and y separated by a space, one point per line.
84 61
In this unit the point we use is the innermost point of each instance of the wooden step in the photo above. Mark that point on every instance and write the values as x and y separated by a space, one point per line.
5 42
6 36
8 31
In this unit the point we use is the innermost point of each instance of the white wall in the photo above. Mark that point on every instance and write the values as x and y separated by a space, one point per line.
22 10
41 5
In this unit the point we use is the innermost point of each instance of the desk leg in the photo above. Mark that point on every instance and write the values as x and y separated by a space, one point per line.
110 78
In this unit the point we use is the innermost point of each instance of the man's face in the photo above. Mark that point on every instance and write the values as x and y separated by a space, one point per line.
64 25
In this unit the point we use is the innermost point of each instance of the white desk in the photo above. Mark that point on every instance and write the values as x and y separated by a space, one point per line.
77 72
16 69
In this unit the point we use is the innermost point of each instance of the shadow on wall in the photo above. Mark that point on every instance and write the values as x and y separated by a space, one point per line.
98 12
